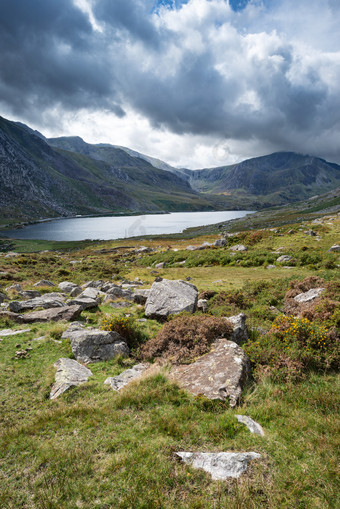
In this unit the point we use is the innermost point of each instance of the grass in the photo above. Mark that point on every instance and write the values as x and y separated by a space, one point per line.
94 448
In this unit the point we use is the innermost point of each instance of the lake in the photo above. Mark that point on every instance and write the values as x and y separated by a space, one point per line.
118 227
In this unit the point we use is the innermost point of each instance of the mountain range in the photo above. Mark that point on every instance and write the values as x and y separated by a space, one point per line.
66 176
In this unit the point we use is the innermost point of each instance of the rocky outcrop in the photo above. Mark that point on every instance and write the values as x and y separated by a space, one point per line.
118 382
94 345
69 374
220 465
219 374
171 297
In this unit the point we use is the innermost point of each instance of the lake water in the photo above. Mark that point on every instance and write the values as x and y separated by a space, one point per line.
118 227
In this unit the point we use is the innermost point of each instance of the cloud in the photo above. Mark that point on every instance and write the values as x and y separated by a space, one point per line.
252 76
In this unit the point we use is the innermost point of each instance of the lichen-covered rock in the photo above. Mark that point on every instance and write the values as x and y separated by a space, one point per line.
120 381
219 374
284 259
220 465
49 300
239 248
69 374
312 294
253 426
240 331
67 313
171 297
67 286
220 242
84 302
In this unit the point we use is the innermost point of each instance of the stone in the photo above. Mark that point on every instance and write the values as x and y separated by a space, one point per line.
30 294
311 233
220 465
117 292
253 426
16 288
140 296
284 259
334 249
75 292
67 313
171 297
44 282
120 304
269 267
67 286
144 249
160 265
2 297
220 242
49 300
94 345
219 374
120 381
83 302
240 331
69 374
192 248
93 284
239 248
10 332
92 293
312 294
202 305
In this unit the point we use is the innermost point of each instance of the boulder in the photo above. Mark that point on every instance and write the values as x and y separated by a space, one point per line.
160 265
120 381
334 249
253 426
117 292
140 296
95 345
49 300
202 305
84 302
220 465
69 374
284 259
2 297
16 288
312 294
92 293
220 242
30 294
44 282
93 284
219 374
240 331
239 248
171 297
192 248
67 286
67 313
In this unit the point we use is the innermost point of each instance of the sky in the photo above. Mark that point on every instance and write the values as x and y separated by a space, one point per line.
196 83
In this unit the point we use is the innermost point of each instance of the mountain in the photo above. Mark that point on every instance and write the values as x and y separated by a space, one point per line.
275 179
39 180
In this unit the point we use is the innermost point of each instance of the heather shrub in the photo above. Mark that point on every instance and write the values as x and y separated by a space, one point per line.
127 328
186 337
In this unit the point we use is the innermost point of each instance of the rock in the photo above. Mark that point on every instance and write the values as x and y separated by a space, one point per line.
118 292
44 282
220 465
69 374
140 296
67 286
2 297
240 331
335 248
171 297
220 242
271 267
253 426
30 294
120 381
202 305
93 284
239 247
284 259
10 332
92 293
311 233
75 292
160 265
16 288
219 374
312 294
52 315
119 305
83 302
94 345
49 300
144 249
192 248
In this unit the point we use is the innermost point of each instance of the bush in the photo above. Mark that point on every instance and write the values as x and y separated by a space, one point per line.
186 337
127 328
292 347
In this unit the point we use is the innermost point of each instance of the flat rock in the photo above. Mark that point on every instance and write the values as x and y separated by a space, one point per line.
220 465
49 300
253 426
240 331
30 294
10 332
239 248
219 374
95 345
171 297
83 302
312 294
284 259
67 313
67 286
69 374
120 381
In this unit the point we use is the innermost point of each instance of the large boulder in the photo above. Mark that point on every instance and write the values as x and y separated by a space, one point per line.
220 465
170 298
219 374
49 300
95 345
240 331
67 286
69 374
118 382
67 313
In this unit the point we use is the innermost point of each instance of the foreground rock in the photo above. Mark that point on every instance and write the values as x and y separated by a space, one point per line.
219 374
253 426
67 313
168 297
69 374
240 331
120 381
49 300
220 465
95 345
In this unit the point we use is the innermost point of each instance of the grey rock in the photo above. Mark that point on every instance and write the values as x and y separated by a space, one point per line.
192 248
202 305
239 248
140 296
49 300
92 293
269 267
75 292
334 249
94 345
219 374
120 304
171 297
67 313
93 284
312 294
10 332
311 233
83 302
67 286
160 265
30 294
44 282
284 259
16 288
117 292
2 297
240 331
253 426
144 249
220 242
221 465
69 374
120 381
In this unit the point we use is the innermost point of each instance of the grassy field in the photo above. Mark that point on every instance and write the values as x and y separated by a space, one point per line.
94 448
